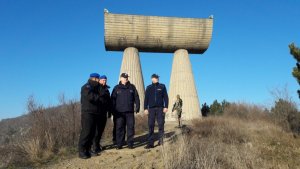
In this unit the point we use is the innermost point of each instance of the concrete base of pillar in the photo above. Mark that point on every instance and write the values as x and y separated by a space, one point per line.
182 83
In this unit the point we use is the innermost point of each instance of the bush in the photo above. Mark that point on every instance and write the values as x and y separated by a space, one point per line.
246 112
218 108
232 142
286 114
51 129
212 143
51 132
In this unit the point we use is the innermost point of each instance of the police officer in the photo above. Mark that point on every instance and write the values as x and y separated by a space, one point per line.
105 112
91 99
156 105
178 108
124 96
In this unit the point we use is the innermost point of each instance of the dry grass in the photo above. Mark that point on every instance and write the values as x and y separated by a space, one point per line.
246 136
53 133
243 138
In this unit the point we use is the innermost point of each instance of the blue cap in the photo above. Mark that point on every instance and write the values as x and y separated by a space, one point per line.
103 77
96 75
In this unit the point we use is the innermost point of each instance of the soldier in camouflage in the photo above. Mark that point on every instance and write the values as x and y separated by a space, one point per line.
178 108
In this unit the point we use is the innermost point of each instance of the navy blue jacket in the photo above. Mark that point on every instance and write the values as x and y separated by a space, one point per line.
124 97
156 96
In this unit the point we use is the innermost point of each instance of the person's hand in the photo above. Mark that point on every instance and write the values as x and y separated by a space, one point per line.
165 110
146 112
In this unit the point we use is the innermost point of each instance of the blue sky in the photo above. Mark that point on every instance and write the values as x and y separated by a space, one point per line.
49 47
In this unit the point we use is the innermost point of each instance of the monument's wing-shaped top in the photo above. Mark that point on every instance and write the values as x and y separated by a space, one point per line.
157 34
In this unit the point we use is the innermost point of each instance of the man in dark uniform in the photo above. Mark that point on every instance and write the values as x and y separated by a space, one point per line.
125 101
91 99
156 105
105 112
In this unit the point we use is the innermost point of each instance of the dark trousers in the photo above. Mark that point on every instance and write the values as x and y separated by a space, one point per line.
88 129
158 114
125 119
100 126
115 128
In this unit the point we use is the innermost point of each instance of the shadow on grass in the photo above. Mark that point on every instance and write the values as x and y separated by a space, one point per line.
142 140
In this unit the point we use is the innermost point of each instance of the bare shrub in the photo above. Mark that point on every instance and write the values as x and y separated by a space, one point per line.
286 115
50 129
230 142
13 156
285 112
226 131
247 112
56 127
32 148
50 132
213 143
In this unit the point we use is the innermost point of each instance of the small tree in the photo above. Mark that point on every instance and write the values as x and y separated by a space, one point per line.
218 108
215 108
286 115
224 104
295 51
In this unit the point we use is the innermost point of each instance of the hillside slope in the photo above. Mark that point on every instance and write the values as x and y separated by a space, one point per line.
214 142
125 158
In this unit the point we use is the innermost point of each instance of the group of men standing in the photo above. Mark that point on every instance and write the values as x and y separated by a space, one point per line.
97 105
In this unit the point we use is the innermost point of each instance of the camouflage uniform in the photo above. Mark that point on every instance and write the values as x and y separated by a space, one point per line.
178 107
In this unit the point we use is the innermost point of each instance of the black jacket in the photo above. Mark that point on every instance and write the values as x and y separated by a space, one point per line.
93 98
124 97
156 96
106 103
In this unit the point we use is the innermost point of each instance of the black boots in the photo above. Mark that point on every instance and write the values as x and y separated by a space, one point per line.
130 147
84 155
149 146
119 147
96 151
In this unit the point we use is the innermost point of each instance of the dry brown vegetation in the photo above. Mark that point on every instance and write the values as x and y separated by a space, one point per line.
51 133
244 137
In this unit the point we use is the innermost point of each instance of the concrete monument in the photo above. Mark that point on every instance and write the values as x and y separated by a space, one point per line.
181 36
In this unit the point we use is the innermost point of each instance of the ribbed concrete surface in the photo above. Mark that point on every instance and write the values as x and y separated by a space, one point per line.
182 83
131 64
156 33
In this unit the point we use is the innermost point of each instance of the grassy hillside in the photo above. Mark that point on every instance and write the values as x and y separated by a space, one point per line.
242 136
229 142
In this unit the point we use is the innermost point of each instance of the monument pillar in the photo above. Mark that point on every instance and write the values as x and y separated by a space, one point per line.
131 64
182 83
